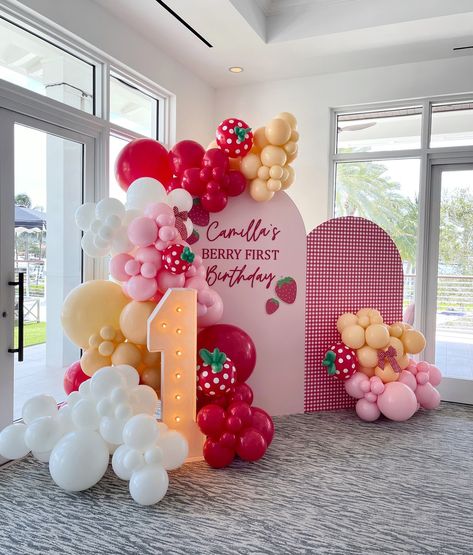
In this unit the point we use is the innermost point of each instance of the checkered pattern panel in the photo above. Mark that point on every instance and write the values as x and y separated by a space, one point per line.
351 263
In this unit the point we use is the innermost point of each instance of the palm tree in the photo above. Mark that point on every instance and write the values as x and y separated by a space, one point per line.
23 199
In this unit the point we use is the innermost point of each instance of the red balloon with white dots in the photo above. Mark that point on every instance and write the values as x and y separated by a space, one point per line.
234 137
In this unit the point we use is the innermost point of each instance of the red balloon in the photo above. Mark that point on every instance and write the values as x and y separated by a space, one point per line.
242 411
261 420
192 182
142 158
216 454
227 439
211 420
216 158
233 424
235 343
73 377
214 202
184 155
236 183
251 445
241 392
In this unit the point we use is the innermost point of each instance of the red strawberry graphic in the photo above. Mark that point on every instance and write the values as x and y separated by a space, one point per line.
340 361
216 373
234 137
198 214
193 238
286 290
271 306
177 258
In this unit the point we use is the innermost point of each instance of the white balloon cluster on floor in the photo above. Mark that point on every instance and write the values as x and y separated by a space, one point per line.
110 414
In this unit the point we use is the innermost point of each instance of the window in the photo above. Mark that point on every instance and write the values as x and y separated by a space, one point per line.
114 190
37 65
452 124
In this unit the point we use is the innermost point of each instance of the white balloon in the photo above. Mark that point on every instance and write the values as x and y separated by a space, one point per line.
85 215
74 397
64 417
111 429
109 207
130 374
180 198
43 433
84 415
175 449
120 242
144 399
124 411
95 226
112 447
130 215
118 462
101 243
119 395
106 233
154 455
105 407
141 432
144 191
114 222
41 457
104 381
40 405
84 390
12 442
88 246
149 484
133 460
162 427
79 460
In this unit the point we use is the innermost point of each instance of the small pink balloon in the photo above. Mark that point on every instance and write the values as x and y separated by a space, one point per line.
376 385
161 245
117 267
201 310
202 271
158 209
166 220
422 378
214 312
205 297
423 366
365 386
353 385
409 379
197 261
367 411
191 272
196 283
435 376
370 397
397 402
142 232
168 233
428 396
166 280
148 270
140 288
149 254
132 267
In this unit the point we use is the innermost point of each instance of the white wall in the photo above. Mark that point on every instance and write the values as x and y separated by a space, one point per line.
310 99
194 99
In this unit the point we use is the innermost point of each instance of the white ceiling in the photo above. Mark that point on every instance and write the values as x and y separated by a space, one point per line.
278 39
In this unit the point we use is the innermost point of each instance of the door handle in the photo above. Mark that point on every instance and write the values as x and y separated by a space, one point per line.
21 295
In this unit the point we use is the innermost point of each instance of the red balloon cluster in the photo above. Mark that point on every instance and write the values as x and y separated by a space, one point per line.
73 377
239 430
205 174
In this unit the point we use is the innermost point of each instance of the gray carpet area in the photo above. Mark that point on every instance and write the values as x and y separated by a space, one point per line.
329 484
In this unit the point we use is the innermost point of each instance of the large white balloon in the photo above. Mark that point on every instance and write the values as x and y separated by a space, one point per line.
149 484
141 432
90 247
180 198
40 405
144 399
85 215
104 381
79 460
84 415
144 191
43 433
12 442
175 449
109 207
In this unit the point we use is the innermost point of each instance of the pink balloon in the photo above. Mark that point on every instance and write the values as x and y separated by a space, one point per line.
148 270
158 209
161 245
140 288
435 376
201 310
214 312
423 366
428 396
205 297
166 220
117 267
198 261
166 280
142 231
202 271
407 378
422 378
168 233
397 402
365 410
376 385
353 385
132 267
196 283
191 272
149 254
371 397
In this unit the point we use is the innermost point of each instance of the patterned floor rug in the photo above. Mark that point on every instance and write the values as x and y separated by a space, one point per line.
328 484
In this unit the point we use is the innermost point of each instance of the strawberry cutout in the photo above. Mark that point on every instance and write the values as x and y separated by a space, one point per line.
216 374
340 361
286 290
198 214
177 258
194 237
234 137
271 306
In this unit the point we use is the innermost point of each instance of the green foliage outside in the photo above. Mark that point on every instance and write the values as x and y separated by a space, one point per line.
34 334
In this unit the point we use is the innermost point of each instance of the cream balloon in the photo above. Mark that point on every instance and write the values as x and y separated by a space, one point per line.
91 361
289 180
259 140
126 353
276 172
353 336
250 165
367 357
263 173
345 320
259 191
413 341
278 131
377 336
273 156
134 321
274 185
290 118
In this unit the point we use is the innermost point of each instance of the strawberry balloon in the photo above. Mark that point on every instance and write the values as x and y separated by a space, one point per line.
234 137
340 361
177 258
215 374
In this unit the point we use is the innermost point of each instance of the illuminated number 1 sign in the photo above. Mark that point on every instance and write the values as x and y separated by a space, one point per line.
172 330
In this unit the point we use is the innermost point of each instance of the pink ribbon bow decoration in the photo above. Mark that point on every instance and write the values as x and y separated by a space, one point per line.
181 217
388 356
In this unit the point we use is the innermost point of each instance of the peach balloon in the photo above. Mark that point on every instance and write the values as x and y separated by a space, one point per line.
403 361
276 172
377 336
259 139
234 163
367 356
263 173
294 136
363 312
250 165
274 185
106 348
364 321
134 320
127 353
293 156
290 118
290 148
398 346
367 371
259 191
152 377
289 180
387 374
353 336
414 341
273 156
151 359
395 330
278 131
91 361
345 320
91 306
375 316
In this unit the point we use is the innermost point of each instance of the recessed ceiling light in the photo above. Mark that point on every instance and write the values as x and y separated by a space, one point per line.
235 69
